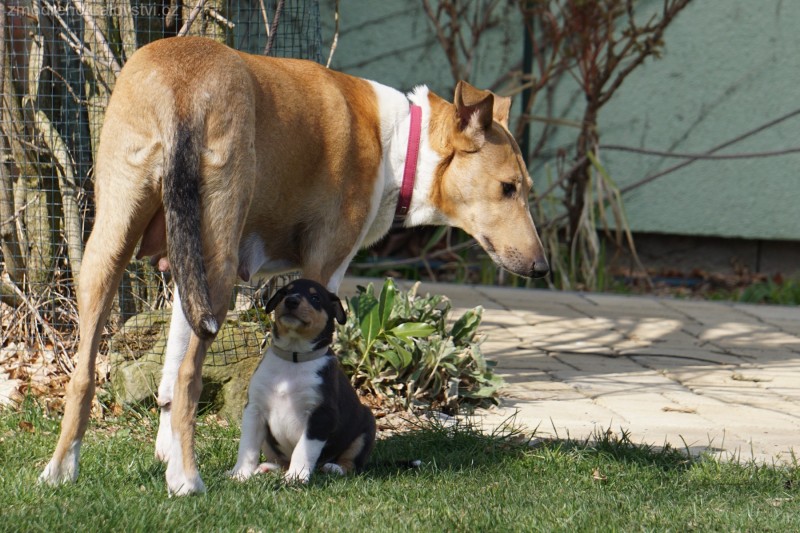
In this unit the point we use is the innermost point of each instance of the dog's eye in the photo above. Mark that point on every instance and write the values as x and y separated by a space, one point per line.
315 299
509 189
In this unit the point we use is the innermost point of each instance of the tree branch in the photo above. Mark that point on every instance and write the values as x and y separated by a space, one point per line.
100 39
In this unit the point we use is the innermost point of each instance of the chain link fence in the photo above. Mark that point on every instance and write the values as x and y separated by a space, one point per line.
59 60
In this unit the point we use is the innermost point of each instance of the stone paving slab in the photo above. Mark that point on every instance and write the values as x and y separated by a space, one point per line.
708 377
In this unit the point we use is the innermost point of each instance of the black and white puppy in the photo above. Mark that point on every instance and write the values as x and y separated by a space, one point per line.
302 411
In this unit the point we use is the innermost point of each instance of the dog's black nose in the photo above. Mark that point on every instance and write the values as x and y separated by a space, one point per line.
540 268
292 301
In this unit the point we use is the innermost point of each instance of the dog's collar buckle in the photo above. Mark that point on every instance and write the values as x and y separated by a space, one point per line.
412 155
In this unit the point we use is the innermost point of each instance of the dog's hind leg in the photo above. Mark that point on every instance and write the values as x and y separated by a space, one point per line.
228 184
182 474
354 457
275 462
177 344
220 249
124 207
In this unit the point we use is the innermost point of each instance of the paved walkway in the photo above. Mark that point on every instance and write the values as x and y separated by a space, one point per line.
703 376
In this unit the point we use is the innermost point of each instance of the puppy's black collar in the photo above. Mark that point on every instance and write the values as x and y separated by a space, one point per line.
299 357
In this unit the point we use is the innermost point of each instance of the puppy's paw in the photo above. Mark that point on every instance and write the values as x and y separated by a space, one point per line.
240 474
268 467
295 476
333 468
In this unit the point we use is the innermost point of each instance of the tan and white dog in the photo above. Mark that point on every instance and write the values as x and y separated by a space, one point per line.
228 165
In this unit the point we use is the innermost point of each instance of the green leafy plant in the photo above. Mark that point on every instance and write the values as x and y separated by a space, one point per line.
778 292
398 347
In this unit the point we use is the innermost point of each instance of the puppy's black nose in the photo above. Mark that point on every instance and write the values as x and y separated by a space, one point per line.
292 301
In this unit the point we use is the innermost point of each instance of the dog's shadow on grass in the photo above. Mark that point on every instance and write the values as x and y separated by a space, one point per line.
429 445
461 446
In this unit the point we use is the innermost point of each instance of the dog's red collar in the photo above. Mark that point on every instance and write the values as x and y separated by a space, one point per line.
412 154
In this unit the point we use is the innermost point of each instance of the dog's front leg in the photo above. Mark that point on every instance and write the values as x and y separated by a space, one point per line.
253 434
107 253
182 475
177 344
304 459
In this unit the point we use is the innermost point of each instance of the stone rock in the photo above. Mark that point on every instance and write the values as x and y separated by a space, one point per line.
136 353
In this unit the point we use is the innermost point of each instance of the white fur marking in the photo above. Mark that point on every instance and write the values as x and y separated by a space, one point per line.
253 257
66 472
178 483
164 436
304 459
393 110
395 122
177 344
421 210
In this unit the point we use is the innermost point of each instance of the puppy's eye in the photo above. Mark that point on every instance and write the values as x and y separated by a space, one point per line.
315 299
509 189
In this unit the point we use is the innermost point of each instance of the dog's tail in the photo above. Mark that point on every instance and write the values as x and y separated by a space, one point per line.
181 197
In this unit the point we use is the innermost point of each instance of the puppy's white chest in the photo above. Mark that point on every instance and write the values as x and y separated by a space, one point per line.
282 391
287 394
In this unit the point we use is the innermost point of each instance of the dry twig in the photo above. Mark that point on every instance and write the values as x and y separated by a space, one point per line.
187 25
273 29
33 309
100 39
335 41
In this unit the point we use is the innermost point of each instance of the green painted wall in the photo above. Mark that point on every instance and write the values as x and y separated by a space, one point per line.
728 67
392 42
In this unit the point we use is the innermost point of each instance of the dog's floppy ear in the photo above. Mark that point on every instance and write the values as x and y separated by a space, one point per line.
474 113
275 300
338 309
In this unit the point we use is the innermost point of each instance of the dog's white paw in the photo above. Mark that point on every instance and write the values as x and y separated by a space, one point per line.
179 484
164 438
64 472
55 474
332 468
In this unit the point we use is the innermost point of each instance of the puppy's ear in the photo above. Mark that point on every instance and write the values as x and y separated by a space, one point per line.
338 309
275 300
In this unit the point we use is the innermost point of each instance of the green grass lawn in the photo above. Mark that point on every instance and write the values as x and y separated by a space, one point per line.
468 482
